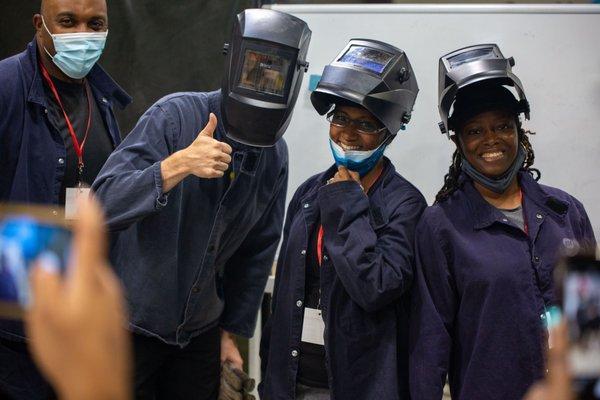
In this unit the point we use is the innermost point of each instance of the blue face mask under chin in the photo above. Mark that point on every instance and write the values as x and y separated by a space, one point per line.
358 161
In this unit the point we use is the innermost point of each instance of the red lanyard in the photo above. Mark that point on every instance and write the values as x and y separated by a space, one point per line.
78 147
320 233
525 227
320 245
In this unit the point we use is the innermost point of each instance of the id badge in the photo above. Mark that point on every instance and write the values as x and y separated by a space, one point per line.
71 200
313 327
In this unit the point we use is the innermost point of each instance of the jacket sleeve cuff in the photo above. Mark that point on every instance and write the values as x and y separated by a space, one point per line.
339 190
245 333
161 198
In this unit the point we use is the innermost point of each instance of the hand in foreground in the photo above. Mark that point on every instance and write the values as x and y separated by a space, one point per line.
557 385
77 323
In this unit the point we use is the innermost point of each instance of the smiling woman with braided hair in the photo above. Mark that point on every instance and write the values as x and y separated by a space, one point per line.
485 251
452 177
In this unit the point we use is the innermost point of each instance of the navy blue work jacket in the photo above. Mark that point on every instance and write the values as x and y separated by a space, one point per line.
366 272
481 289
32 153
198 256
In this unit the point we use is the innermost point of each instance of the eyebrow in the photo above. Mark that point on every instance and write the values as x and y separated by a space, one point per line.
72 15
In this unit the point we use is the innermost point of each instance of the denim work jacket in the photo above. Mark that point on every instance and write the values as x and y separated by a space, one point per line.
366 272
198 256
482 286
32 152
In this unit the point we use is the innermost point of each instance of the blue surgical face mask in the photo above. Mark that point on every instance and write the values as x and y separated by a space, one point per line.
76 53
358 161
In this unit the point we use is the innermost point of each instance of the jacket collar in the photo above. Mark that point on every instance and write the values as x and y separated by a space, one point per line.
537 203
97 78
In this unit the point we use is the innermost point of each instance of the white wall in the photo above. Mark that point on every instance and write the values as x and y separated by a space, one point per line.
557 53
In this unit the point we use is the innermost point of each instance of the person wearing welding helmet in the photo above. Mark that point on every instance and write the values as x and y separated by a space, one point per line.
486 249
338 328
195 197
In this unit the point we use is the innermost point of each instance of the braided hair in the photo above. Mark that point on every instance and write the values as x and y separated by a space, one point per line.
451 178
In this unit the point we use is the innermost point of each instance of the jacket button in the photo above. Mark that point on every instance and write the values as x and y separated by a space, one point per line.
303 252
104 100
299 303
539 216
61 161
536 258
325 258
294 353
504 220
45 110
306 205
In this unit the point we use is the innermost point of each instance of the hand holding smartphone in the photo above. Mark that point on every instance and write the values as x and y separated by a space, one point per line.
28 233
577 280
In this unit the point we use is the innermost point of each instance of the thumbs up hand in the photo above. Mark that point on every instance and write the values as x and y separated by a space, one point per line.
206 157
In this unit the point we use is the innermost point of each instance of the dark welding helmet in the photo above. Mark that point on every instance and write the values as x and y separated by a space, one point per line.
475 64
371 74
264 64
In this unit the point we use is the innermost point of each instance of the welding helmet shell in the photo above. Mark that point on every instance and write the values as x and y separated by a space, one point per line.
478 64
264 64
371 74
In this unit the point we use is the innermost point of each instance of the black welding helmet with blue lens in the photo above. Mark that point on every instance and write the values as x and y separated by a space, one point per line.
371 74
264 64
479 65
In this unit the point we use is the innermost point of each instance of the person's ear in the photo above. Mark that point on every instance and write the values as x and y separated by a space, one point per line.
37 23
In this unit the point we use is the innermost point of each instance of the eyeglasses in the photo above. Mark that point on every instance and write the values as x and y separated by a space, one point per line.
360 125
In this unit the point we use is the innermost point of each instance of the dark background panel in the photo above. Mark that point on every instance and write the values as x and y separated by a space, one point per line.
154 47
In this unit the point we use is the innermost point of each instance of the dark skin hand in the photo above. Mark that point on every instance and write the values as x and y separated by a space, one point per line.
66 16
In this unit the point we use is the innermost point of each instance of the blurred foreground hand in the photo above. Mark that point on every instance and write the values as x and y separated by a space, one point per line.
77 323
557 385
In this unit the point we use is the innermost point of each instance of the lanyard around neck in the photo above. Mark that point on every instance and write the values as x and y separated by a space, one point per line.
76 145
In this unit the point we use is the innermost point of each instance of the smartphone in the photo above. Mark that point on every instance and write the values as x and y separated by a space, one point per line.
578 284
26 234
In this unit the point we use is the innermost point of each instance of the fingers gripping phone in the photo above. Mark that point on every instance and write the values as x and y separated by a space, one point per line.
26 234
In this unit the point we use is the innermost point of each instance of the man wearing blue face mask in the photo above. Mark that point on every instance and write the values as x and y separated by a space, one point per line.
57 128
57 125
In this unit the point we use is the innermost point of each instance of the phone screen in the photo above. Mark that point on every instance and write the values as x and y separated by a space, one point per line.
27 233
581 307
578 284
